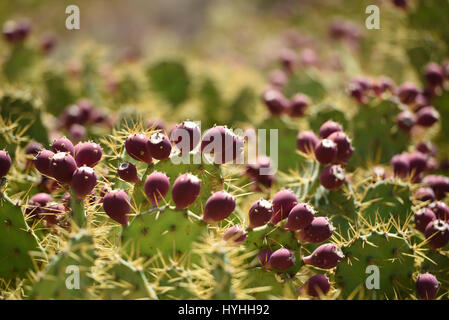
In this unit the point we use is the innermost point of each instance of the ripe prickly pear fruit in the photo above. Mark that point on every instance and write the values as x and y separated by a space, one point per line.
128 172
62 167
156 187
52 213
260 213
434 74
298 105
264 258
422 218
116 205
427 116
344 147
33 148
136 146
401 165
417 162
408 92
300 217
234 234
84 180
440 209
186 190
319 230
77 132
306 142
316 286
253 169
63 145
87 154
283 202
332 177
42 162
437 234
328 128
276 102
218 207
5 163
186 135
326 151
326 256
427 286
405 121
36 203
425 194
223 144
282 259
439 185
160 146
427 148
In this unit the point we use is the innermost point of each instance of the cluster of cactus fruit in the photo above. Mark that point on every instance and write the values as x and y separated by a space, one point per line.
146 211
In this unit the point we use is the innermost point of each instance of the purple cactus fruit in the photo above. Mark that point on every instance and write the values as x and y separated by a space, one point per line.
427 286
332 177
5 163
156 187
128 172
344 147
408 93
260 213
282 259
298 105
434 74
218 207
253 169
288 59
16 31
437 234
63 145
440 209
36 203
136 146
439 185
405 121
326 151
234 234
306 142
427 148
300 217
42 162
77 132
223 143
328 128
383 84
316 286
422 218
319 230
186 135
88 154
52 213
276 102
47 43
33 149
116 205
425 194
264 258
417 163
185 190
401 165
84 180
402 4
62 167
160 146
283 203
427 116
326 256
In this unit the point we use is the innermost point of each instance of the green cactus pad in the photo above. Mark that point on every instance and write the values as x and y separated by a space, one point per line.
267 285
173 282
166 231
19 243
392 255
387 199
59 279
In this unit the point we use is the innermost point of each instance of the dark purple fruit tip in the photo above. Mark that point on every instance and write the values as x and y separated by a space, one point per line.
326 151
275 101
137 148
439 185
84 180
117 206
440 209
316 286
42 162
185 190
5 163
300 217
437 234
63 145
405 121
88 154
62 167
422 218
160 146
328 128
234 234
128 172
427 116
425 194
186 136
282 259
283 203
332 177
401 165
427 286
156 187
326 256
218 207
260 213
344 147
319 230
306 142
408 93
264 258
298 105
